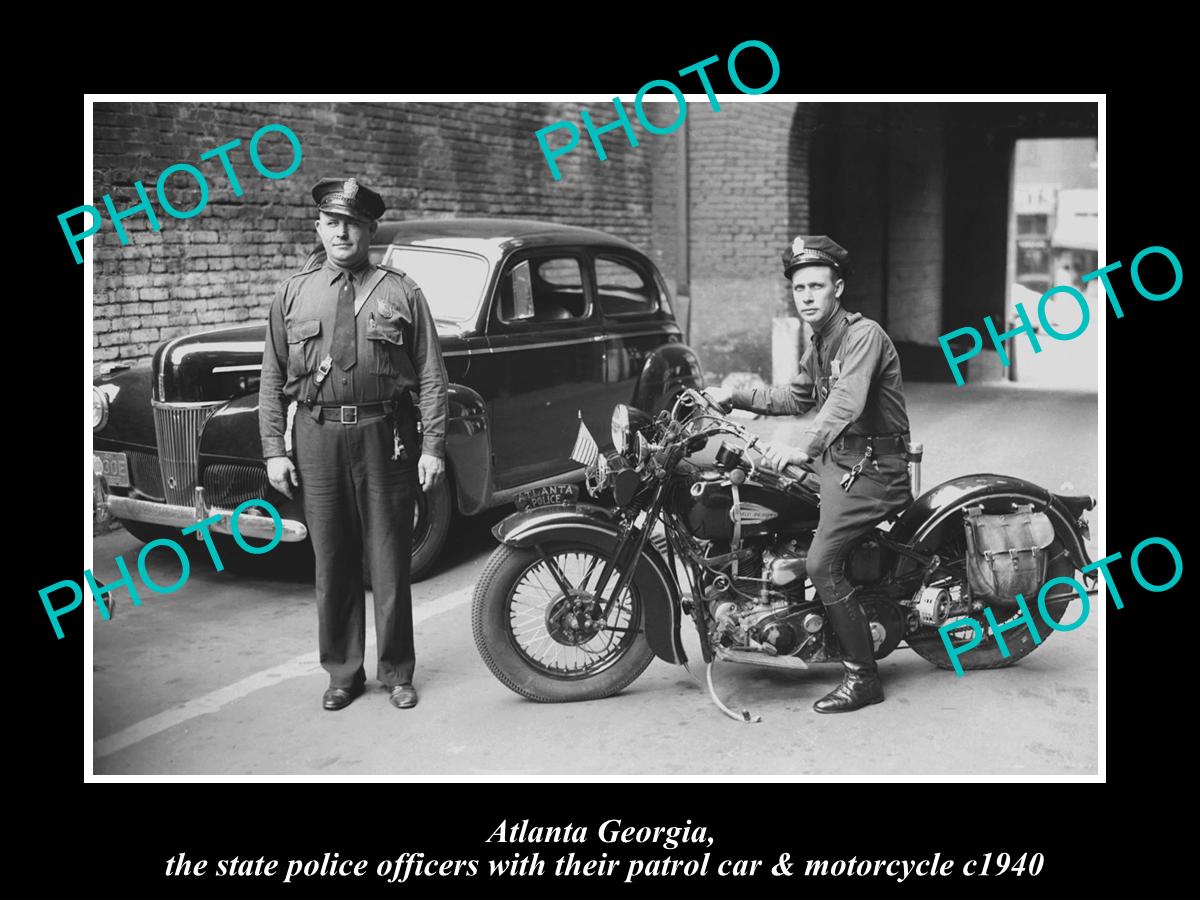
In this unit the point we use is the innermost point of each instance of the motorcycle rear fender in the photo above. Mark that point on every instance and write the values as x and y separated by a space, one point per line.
948 499
596 527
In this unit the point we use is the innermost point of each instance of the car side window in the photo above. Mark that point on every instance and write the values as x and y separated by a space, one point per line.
543 289
623 290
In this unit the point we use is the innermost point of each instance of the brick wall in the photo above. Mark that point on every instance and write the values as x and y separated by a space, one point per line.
743 208
748 196
426 159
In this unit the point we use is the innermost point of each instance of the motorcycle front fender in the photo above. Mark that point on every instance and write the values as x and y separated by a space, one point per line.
596 527
996 493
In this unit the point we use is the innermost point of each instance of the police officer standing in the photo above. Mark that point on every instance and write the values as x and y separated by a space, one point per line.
856 443
349 342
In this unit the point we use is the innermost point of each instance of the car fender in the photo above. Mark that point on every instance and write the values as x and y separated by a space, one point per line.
597 527
127 392
668 370
468 448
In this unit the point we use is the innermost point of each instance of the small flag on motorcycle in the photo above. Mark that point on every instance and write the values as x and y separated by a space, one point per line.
586 450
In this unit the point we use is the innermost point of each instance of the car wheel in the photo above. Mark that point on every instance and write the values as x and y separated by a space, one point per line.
431 526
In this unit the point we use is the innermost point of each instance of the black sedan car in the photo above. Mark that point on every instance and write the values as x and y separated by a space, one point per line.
538 322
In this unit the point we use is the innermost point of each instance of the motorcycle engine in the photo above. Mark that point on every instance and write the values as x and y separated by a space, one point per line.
760 609
786 564
765 609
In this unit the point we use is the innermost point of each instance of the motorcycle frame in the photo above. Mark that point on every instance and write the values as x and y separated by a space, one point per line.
624 542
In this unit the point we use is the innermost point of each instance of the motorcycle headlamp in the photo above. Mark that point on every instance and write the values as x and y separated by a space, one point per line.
626 427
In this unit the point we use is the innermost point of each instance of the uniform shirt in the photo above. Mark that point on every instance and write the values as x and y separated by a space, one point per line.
850 373
397 344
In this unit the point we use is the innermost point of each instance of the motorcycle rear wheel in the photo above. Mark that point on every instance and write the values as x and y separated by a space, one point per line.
1020 643
514 634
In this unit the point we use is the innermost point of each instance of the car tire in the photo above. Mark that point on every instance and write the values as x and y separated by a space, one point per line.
435 511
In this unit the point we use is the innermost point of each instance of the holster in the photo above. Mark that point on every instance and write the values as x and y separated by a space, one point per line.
402 415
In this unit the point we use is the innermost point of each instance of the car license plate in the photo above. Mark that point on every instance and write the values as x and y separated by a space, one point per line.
544 496
113 466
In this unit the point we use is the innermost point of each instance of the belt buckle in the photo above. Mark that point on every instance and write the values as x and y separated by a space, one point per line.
349 415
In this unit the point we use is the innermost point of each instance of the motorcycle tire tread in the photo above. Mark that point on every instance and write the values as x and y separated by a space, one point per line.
636 659
929 646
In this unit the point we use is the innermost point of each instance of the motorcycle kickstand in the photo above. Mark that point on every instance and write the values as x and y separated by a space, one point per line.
745 717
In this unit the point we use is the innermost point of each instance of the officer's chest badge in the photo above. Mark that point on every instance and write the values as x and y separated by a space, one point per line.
386 309
835 368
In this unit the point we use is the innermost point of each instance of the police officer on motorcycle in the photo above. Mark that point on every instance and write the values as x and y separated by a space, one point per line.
856 443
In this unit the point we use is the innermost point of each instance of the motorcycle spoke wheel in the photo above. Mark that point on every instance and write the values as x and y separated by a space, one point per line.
550 625
534 648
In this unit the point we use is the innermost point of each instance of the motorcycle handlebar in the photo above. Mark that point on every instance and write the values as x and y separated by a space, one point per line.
794 471
791 470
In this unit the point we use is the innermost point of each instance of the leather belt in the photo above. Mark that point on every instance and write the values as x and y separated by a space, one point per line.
881 444
350 414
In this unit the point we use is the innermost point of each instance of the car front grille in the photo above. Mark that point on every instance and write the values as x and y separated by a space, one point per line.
228 484
177 427
145 474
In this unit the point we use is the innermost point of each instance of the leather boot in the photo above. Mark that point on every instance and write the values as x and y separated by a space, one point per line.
860 681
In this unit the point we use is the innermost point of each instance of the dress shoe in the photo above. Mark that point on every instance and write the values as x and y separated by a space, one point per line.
860 687
403 696
338 698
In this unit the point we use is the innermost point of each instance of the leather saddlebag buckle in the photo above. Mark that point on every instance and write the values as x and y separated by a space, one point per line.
1006 553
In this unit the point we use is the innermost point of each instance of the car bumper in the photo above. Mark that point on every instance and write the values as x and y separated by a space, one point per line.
249 525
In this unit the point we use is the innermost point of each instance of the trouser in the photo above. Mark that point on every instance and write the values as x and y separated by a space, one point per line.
358 500
848 515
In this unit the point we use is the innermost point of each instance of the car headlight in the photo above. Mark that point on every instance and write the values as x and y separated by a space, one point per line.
99 409
619 428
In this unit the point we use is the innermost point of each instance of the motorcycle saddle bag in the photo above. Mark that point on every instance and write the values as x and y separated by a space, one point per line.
1006 553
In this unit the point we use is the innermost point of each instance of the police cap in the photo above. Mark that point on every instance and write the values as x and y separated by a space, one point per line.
348 197
815 250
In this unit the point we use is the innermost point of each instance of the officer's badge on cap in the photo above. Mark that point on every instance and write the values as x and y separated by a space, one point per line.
348 197
815 250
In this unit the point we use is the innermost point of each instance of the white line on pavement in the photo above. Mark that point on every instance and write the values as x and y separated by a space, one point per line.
298 667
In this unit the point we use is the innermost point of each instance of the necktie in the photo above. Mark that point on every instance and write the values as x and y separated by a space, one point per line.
822 381
345 345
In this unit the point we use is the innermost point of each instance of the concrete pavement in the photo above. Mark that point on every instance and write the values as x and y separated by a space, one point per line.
221 678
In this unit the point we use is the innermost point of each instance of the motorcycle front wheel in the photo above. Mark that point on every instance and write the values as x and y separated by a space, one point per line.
540 630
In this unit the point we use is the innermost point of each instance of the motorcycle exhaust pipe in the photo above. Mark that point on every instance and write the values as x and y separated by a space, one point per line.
915 452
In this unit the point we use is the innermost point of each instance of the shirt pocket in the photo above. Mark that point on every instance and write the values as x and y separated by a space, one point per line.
389 355
302 346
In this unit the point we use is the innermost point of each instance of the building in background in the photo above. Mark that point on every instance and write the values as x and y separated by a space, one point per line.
921 193
1054 240
1075 242
1033 209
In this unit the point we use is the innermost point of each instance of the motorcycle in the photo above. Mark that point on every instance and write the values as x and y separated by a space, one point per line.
580 597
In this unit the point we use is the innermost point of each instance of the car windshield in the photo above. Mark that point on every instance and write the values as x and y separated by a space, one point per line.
452 281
